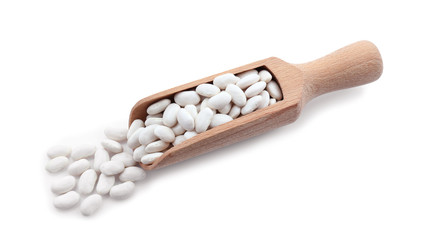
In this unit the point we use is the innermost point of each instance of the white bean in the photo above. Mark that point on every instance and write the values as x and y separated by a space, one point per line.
226 109
59 150
203 120
133 141
159 115
191 109
255 89
154 120
158 107
235 111
265 99
186 97
265 76
122 190
105 183
132 174
63 185
207 90
190 134
156 146
136 124
178 129
150 158
223 80
125 158
82 151
246 73
101 156
67 200
272 101
90 204
179 139
147 136
220 100
112 167
116 133
185 119
56 164
87 181
274 90
251 105
78 167
139 153
219 119
164 133
170 114
237 94
112 146
248 80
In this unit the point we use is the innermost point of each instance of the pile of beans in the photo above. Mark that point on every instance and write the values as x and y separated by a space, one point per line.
112 168
90 172
172 121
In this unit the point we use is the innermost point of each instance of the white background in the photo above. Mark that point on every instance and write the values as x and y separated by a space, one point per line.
348 168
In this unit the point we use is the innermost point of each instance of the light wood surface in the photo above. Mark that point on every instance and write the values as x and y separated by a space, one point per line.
353 65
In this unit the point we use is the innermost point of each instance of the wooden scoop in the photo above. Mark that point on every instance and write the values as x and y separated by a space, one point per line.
351 66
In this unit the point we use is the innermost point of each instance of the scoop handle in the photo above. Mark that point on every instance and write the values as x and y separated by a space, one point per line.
353 65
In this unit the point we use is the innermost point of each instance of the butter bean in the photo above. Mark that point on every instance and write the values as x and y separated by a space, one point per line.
251 105
246 73
223 80
203 120
207 90
87 181
136 124
90 204
237 94
122 190
220 100
154 120
147 136
133 141
220 119
78 167
248 80
112 168
105 183
112 146
116 133
82 151
139 153
158 107
63 185
255 89
156 146
265 76
274 90
132 174
101 156
164 133
56 164
235 111
125 158
185 119
170 114
186 97
59 150
67 200
150 158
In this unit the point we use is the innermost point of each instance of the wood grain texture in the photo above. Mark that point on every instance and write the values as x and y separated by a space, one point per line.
354 65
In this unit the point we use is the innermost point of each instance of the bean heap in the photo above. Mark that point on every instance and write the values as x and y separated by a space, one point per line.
171 121
108 169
